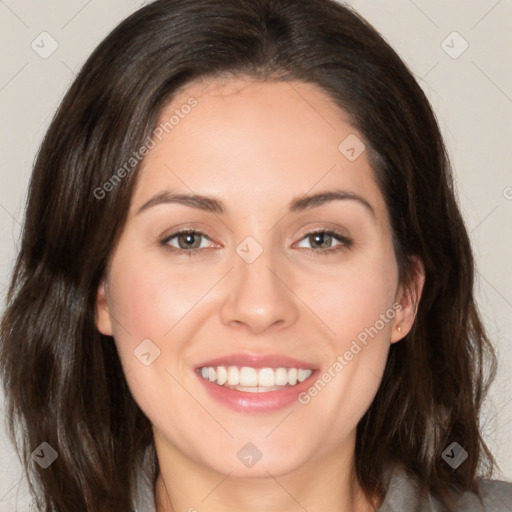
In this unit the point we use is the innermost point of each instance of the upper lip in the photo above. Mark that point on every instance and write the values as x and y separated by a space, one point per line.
257 361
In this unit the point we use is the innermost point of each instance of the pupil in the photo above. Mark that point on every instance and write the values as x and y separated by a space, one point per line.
321 236
189 238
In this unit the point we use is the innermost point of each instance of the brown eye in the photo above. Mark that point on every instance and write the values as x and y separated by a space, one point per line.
185 240
322 241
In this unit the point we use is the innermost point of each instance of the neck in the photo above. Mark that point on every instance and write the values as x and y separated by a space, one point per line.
324 485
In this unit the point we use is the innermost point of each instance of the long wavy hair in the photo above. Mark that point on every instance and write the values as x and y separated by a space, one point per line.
63 380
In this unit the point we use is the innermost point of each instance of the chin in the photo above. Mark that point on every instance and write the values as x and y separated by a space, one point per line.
254 459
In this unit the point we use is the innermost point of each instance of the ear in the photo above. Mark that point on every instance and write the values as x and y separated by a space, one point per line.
103 320
408 296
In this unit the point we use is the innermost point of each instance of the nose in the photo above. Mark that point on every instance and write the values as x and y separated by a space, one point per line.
259 295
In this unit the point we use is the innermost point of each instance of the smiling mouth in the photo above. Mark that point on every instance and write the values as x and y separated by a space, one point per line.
254 380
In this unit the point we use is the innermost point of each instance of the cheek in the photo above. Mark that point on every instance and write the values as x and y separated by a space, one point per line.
151 296
155 304
356 303
352 297
148 300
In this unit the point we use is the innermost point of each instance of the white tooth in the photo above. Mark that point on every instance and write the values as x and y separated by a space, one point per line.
248 376
233 376
303 375
252 389
266 377
292 376
256 389
222 375
281 377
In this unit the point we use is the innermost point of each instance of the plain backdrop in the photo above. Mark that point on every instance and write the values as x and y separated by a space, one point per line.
460 51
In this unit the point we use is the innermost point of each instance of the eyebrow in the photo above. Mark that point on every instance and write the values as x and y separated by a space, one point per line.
213 205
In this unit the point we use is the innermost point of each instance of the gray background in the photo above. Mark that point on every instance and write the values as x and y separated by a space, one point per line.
471 92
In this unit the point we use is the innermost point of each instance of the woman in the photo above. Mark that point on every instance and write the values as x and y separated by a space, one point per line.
170 342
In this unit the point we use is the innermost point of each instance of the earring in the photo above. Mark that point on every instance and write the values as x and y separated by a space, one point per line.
399 328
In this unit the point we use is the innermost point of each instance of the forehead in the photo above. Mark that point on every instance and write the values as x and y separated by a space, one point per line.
265 141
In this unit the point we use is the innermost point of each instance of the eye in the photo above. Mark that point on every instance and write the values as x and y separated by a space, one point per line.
188 241
324 239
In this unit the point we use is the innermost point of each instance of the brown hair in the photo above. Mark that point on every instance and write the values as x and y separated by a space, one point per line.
63 380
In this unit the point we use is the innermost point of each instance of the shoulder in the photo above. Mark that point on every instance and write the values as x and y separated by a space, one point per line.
496 497
403 494
144 496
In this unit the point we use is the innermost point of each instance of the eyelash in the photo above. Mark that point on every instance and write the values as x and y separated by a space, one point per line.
346 242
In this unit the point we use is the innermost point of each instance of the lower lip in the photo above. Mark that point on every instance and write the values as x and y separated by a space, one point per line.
242 401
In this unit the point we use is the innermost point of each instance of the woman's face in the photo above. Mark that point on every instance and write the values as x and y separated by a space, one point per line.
288 265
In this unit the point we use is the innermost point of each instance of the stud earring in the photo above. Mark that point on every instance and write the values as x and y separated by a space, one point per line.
399 328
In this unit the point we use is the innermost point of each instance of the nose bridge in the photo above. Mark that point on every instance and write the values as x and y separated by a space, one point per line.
257 296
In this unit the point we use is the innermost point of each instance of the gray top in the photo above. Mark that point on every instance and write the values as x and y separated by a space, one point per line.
402 496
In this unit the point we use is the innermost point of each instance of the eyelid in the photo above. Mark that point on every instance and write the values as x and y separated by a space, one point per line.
194 231
345 241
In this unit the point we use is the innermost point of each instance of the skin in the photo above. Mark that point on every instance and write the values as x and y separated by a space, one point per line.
255 146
